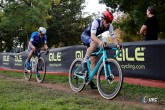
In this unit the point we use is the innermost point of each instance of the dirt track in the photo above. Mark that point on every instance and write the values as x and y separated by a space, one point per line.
90 93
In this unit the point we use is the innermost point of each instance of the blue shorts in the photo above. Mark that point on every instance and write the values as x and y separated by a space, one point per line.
29 48
86 39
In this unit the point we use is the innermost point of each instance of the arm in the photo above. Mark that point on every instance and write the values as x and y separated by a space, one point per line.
46 46
143 30
32 46
94 38
117 43
31 40
45 43
94 27
114 39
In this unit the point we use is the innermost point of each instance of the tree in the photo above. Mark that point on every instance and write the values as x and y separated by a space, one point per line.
20 18
136 9
66 23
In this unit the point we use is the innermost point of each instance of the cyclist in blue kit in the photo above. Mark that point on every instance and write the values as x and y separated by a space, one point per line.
90 39
35 39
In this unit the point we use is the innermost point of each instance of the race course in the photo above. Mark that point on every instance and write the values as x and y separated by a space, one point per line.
123 100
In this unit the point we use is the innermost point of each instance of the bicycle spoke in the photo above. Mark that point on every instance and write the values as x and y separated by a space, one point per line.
27 73
76 77
109 87
40 70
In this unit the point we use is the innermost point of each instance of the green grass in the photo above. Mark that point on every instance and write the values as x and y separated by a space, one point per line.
131 91
22 95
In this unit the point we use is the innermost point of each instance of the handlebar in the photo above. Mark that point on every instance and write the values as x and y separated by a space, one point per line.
107 48
38 53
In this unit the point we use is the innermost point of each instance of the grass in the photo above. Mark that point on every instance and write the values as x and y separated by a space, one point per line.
22 95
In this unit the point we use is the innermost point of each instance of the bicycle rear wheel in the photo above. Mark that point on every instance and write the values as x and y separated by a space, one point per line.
77 83
109 87
27 73
40 70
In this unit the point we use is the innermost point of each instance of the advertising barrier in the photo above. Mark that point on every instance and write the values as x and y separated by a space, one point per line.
145 59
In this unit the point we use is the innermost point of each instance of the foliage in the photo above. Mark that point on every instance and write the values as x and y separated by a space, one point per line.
66 23
136 11
19 19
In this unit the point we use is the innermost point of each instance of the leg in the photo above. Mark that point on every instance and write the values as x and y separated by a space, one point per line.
93 62
86 40
31 51
29 57
93 46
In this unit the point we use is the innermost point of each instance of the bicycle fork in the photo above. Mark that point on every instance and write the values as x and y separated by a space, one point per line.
107 69
108 73
33 63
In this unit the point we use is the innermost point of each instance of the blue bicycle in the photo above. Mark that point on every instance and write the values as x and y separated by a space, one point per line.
108 70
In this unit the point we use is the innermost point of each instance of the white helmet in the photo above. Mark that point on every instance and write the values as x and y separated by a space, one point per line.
42 30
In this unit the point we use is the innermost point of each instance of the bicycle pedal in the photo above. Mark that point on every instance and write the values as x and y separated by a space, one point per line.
87 83
75 77
86 77
86 74
26 70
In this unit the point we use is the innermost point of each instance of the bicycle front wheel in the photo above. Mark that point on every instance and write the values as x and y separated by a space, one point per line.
109 86
27 73
76 77
40 70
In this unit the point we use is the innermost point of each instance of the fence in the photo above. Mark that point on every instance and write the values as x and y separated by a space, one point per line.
145 59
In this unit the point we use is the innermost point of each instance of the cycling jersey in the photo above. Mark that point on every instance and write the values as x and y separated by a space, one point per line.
35 39
96 28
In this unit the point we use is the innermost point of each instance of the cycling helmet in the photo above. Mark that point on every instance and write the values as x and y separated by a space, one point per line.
107 15
42 30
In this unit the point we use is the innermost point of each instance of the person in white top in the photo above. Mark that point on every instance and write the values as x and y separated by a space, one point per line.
90 39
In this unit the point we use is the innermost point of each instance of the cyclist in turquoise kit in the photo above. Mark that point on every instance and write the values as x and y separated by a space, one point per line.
35 39
90 39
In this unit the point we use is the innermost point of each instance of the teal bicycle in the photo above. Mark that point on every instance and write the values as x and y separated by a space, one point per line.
108 70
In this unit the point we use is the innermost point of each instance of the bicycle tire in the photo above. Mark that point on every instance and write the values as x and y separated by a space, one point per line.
110 88
27 73
76 83
41 68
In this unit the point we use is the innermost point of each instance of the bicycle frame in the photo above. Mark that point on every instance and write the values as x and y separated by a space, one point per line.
101 60
36 55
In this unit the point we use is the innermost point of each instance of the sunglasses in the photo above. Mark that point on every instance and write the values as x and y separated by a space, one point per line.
107 21
42 34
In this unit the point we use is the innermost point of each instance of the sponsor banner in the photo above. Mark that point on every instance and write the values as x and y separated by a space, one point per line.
143 59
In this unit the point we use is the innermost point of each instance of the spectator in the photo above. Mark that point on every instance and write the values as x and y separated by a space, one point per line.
150 28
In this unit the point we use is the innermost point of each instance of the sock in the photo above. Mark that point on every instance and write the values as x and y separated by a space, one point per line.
29 60
86 58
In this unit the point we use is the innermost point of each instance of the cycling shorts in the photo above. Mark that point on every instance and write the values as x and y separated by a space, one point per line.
86 39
